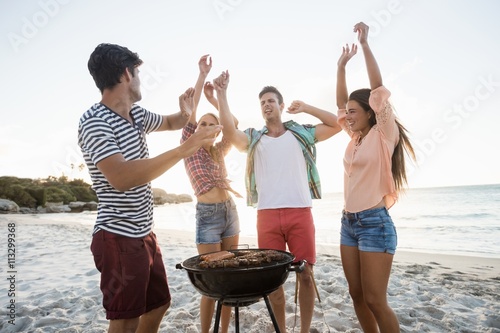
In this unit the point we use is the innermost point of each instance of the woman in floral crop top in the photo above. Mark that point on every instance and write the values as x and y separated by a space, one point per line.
374 173
217 222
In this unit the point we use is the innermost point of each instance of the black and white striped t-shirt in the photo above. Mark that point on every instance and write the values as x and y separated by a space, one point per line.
103 133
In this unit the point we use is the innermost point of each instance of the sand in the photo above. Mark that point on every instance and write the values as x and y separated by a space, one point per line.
56 286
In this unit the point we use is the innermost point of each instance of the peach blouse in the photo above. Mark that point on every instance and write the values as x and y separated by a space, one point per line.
367 163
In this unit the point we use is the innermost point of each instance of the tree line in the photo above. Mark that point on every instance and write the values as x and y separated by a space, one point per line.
32 193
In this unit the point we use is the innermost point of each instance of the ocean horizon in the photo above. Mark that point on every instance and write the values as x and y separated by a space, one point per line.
455 220
459 220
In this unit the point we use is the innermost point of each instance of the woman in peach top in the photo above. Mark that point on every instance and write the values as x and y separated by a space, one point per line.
374 173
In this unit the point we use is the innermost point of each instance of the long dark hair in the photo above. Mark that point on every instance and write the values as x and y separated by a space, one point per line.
404 145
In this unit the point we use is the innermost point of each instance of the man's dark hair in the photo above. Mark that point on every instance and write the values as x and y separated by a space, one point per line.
108 63
271 89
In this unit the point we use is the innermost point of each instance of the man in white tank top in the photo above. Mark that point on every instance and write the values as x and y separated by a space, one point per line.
280 168
281 181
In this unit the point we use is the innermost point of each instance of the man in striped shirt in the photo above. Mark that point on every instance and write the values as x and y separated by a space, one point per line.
112 137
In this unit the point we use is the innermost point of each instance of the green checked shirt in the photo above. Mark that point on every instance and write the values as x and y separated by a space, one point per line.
305 135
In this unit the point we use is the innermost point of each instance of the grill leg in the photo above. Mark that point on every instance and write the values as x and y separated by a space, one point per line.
237 319
217 316
271 313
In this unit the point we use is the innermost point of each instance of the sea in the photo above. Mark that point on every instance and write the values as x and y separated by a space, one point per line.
457 220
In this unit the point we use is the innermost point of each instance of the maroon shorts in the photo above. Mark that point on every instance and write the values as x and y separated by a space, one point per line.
293 226
133 277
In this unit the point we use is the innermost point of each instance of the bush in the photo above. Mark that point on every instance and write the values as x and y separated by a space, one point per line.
57 194
20 196
7 182
33 193
83 193
39 194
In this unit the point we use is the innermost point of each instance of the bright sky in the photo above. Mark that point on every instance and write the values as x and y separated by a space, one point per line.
440 59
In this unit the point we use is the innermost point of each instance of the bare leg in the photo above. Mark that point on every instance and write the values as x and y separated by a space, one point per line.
307 296
375 273
277 300
206 313
228 243
352 270
150 321
207 304
123 325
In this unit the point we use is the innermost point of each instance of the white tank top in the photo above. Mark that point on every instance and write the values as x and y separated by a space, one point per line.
281 173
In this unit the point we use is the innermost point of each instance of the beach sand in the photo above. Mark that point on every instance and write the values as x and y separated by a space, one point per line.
56 286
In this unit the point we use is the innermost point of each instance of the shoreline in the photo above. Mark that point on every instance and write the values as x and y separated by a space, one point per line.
467 263
56 286
481 266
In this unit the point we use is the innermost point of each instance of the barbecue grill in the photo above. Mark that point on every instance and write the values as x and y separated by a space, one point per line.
241 286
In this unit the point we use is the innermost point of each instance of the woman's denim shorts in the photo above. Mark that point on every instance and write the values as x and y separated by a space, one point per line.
216 221
371 230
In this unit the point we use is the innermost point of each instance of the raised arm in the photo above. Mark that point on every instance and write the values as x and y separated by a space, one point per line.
230 131
328 126
205 65
123 174
180 119
208 89
371 64
342 93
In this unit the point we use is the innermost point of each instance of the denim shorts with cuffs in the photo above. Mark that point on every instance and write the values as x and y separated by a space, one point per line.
216 221
370 230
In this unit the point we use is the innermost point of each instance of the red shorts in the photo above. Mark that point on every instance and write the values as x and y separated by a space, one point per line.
293 226
133 277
